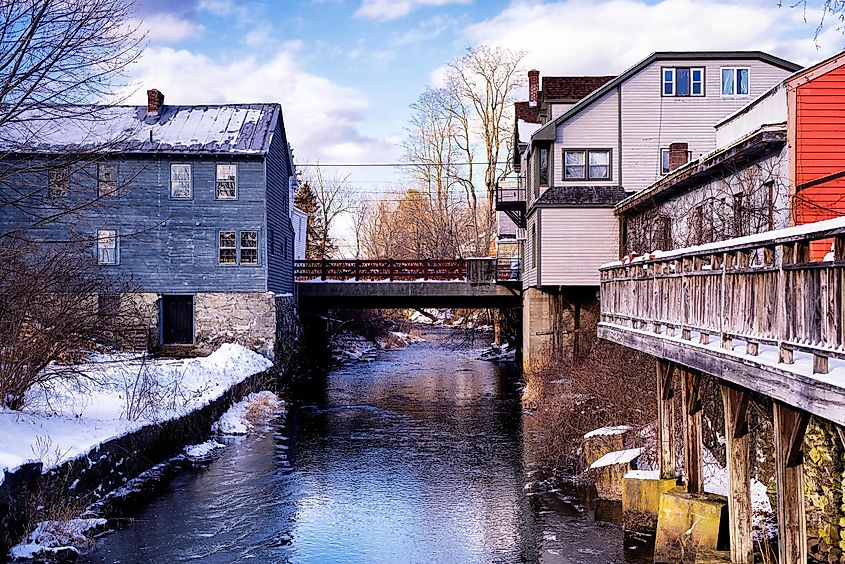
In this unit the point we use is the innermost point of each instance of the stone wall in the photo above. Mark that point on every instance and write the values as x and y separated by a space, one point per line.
247 318
289 337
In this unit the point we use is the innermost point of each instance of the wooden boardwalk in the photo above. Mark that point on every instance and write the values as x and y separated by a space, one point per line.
761 316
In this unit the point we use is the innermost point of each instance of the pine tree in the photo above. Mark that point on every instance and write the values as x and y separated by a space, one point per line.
306 200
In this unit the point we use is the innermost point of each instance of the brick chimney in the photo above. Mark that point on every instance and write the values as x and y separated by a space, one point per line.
155 100
533 87
678 155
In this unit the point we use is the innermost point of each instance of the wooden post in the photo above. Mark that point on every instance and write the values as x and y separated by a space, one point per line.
790 425
665 419
390 269
357 269
690 384
738 456
324 269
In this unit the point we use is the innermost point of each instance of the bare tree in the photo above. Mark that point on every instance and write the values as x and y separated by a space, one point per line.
334 197
482 85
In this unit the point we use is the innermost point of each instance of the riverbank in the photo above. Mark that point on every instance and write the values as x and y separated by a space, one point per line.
77 441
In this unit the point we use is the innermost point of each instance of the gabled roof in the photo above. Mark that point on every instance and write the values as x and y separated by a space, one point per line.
234 129
546 133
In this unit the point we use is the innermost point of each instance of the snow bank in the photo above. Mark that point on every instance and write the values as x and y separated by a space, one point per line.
716 481
70 419
244 416
202 450
52 538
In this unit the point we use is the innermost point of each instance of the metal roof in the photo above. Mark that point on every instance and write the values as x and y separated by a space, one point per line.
233 129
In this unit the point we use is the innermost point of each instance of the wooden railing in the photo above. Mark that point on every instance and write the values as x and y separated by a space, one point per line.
474 270
763 289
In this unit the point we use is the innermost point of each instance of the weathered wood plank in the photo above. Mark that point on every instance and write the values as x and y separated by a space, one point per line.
738 455
789 426
693 462
816 396
665 419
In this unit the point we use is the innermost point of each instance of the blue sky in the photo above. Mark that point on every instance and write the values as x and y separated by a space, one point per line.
345 71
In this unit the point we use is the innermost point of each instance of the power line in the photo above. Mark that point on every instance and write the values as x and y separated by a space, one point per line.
395 164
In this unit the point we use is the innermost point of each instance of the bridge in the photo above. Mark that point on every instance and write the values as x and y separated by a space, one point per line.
763 317
484 282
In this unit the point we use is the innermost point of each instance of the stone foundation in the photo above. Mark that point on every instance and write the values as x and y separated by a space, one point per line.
691 527
246 318
641 492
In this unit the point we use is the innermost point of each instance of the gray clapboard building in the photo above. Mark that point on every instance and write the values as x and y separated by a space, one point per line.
192 203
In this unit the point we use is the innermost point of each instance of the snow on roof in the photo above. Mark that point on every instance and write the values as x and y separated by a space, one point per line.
227 129
617 457
642 475
526 130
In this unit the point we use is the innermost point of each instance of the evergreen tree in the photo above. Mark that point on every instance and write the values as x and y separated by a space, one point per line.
306 200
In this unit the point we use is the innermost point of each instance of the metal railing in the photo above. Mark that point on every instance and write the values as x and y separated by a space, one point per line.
764 289
481 270
510 195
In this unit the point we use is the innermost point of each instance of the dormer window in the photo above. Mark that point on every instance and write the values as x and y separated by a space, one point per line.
683 81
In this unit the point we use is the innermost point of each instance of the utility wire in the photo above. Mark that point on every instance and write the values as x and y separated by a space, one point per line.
395 164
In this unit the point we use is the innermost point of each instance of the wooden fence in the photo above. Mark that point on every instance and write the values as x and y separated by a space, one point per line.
762 289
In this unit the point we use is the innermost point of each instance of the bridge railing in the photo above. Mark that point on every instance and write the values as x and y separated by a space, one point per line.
765 290
373 270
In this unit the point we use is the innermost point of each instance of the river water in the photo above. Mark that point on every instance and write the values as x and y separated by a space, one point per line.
417 456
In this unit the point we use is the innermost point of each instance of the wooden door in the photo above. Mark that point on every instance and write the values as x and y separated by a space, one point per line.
177 317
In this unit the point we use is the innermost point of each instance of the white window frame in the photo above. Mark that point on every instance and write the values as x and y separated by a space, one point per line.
735 71
220 247
186 166
217 181
103 237
664 171
674 82
241 247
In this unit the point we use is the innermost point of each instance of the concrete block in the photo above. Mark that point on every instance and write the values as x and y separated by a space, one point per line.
608 471
691 527
599 442
641 492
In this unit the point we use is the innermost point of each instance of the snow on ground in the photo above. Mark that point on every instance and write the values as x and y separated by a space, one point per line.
69 419
244 416
496 353
716 481
55 537
354 348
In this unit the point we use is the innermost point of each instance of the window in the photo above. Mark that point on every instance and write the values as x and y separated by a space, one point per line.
683 81
664 161
249 247
180 181
533 245
58 181
735 82
106 180
599 164
574 165
544 166
106 246
227 248
227 182
593 164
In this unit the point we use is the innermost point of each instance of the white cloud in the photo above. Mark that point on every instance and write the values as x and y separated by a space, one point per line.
168 28
323 120
605 37
393 9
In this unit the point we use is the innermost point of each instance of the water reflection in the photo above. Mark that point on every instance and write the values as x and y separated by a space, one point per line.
416 457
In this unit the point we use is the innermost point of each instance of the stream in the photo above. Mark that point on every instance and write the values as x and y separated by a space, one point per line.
417 456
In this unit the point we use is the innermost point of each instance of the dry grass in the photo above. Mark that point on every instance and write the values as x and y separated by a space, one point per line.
262 409
611 385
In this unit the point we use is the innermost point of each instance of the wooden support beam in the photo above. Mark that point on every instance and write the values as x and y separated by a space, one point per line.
738 454
690 392
665 419
790 425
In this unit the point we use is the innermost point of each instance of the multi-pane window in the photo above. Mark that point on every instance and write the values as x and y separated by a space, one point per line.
249 247
593 164
106 180
683 81
180 181
227 247
735 82
664 161
544 166
106 246
58 181
237 247
227 182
